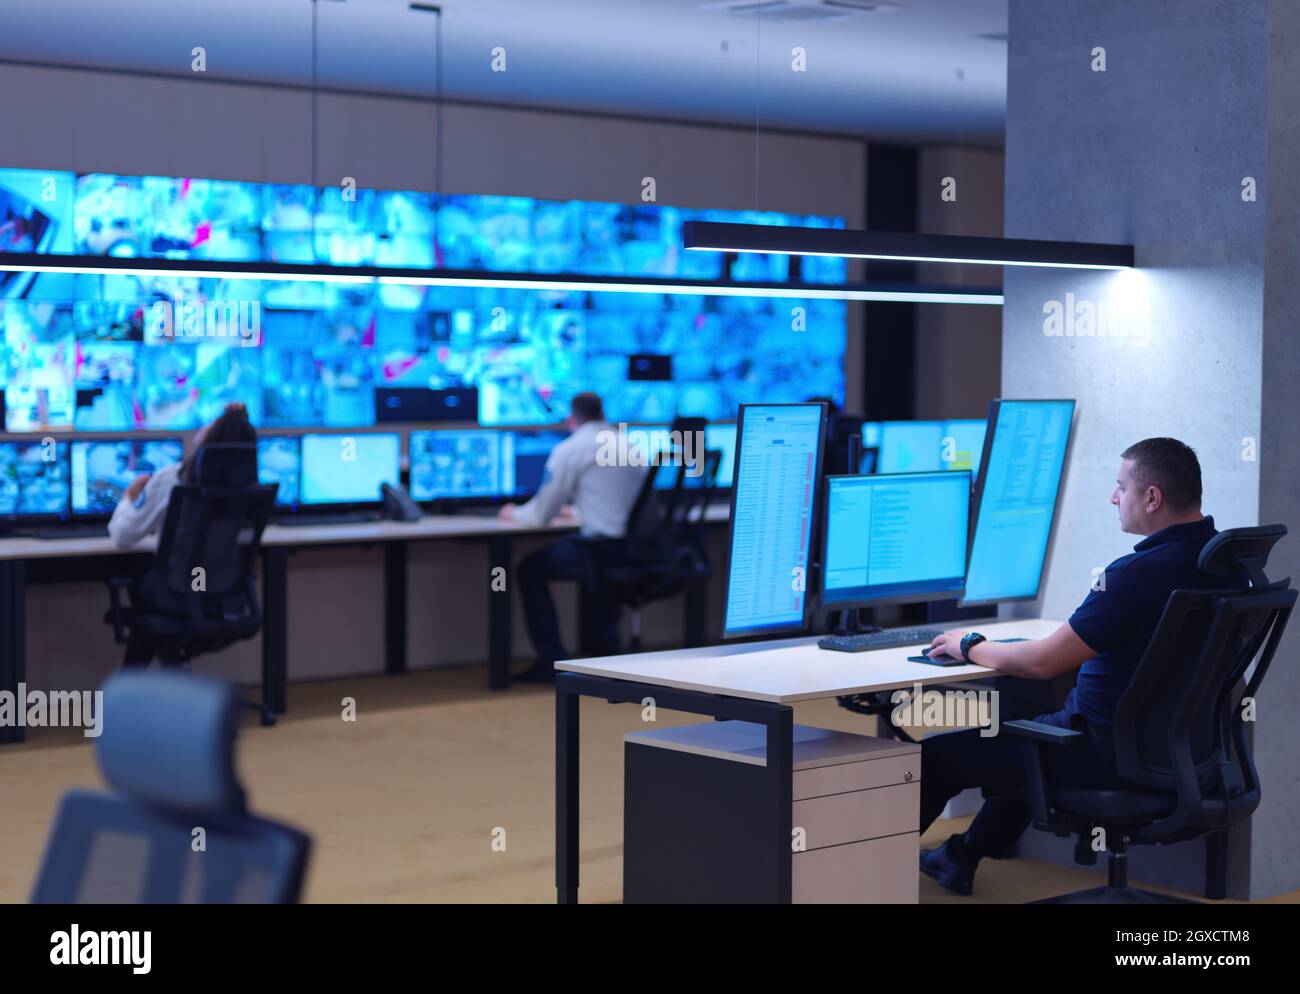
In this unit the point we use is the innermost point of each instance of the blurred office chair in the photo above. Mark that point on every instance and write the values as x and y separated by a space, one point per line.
215 525
664 551
1180 739
166 750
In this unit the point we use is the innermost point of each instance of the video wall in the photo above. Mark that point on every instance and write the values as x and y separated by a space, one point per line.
161 352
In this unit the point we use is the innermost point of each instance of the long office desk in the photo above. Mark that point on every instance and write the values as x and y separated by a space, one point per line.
17 553
754 681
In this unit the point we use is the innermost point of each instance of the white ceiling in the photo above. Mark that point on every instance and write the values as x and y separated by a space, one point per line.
925 73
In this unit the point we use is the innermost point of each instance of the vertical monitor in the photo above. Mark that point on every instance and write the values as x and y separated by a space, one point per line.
34 480
279 461
894 539
101 471
773 500
349 469
1023 460
910 447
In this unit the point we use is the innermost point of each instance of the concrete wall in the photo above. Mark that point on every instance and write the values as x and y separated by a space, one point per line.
1153 151
115 122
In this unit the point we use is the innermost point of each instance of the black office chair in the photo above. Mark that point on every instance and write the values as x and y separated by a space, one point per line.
167 753
664 552
214 526
1179 734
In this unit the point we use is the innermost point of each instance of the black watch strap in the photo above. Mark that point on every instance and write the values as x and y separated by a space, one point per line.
968 642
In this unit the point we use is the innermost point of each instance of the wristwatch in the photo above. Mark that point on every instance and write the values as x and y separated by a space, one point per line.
968 642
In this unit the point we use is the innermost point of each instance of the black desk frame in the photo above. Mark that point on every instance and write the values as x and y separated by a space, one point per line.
777 718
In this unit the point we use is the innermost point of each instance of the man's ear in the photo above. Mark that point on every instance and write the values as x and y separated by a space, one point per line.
1155 499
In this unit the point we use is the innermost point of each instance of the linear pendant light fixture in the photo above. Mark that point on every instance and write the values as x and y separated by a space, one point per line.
488 279
718 236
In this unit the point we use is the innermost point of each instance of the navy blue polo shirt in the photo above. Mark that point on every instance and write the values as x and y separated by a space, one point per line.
1117 622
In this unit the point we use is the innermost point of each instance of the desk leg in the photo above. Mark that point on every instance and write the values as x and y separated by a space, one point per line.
275 627
500 617
13 636
567 702
780 767
395 607
696 612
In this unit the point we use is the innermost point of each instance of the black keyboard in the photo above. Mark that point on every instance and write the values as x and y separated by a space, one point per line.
890 639
71 531
334 518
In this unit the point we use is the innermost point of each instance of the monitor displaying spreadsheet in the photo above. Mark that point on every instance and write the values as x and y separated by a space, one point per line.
773 504
894 539
1023 461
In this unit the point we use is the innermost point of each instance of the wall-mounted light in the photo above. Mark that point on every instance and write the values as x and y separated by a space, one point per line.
487 279
718 236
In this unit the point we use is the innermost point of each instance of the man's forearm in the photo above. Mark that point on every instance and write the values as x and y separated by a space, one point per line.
1022 659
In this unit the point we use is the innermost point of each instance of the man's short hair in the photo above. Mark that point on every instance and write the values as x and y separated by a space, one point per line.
1170 465
586 407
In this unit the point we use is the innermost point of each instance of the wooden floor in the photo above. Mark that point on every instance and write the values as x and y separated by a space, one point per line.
403 803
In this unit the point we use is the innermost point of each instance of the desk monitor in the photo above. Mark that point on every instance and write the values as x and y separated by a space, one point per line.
531 450
773 501
34 482
1023 460
720 438
461 463
102 470
966 445
349 468
279 460
871 434
910 447
894 539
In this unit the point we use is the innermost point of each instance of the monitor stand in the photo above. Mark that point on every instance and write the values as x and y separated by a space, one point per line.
850 622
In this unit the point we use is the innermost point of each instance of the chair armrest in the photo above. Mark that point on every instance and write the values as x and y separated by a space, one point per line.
1046 734
116 584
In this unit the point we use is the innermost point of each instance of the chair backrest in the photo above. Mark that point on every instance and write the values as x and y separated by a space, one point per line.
210 539
175 828
1178 726
842 428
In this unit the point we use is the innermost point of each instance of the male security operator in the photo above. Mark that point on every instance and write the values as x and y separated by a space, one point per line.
1158 493
603 496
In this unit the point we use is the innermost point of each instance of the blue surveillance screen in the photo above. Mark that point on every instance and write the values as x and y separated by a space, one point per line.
778 464
101 471
1023 463
34 479
279 460
963 442
890 539
461 463
910 447
349 469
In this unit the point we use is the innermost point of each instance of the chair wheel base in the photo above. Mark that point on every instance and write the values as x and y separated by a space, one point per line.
1115 895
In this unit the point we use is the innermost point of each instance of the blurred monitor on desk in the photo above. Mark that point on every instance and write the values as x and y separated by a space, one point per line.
963 444
34 480
349 469
102 470
773 503
1015 501
895 538
478 464
910 447
279 461
720 438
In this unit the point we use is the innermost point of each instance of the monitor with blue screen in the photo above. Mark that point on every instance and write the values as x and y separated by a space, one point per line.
1023 460
349 469
279 461
478 464
910 447
101 471
720 438
963 442
34 480
773 502
894 539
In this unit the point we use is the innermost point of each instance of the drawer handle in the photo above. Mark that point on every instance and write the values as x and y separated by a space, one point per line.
907 776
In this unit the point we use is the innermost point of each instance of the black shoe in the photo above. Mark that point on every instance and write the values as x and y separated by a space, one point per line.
950 866
537 673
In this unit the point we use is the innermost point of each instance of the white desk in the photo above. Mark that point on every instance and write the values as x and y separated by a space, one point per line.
756 682
16 553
